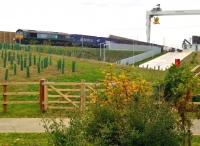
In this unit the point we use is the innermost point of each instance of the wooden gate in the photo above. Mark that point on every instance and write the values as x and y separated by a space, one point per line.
51 95
65 95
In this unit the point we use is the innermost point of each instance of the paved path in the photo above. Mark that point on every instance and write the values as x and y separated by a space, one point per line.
196 127
24 125
35 125
165 61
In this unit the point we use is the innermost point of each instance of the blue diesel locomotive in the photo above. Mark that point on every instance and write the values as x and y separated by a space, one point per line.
42 37
64 39
57 39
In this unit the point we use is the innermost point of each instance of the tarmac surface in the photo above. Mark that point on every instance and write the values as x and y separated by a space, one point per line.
196 127
35 125
165 61
25 125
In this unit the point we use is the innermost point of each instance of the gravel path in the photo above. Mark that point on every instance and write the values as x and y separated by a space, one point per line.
35 125
24 125
196 127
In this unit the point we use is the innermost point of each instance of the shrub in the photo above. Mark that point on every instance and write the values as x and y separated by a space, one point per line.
60 135
103 126
180 84
123 115
178 81
151 125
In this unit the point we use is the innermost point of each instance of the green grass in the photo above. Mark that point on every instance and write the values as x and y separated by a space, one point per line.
32 110
86 53
41 139
196 141
110 55
89 70
86 69
23 139
192 60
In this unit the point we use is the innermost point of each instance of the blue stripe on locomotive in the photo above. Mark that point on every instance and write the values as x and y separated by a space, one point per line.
85 40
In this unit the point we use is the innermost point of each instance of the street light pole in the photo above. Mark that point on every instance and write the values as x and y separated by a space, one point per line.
82 42
104 55
100 51
133 53
104 50
105 46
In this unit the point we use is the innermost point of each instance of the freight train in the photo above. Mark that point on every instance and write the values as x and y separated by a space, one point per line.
63 39
57 39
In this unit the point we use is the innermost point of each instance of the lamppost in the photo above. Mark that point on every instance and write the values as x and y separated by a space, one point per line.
100 49
104 55
133 53
104 50
82 42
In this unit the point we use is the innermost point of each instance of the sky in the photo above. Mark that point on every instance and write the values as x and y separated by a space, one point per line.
126 18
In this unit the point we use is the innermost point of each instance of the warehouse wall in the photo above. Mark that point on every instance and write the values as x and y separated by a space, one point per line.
196 47
117 46
140 57
7 37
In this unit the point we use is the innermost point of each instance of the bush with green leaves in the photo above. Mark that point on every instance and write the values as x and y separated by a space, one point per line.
138 125
138 122
180 86
61 135
178 81
151 125
104 126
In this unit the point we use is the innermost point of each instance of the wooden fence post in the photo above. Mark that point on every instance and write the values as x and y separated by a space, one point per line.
82 96
5 98
43 96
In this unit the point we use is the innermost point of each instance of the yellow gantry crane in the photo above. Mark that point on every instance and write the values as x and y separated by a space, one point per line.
156 20
157 11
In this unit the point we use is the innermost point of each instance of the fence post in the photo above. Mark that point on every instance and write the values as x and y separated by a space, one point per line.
5 97
189 138
43 96
82 100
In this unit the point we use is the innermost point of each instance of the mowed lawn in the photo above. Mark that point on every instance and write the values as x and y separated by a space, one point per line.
23 139
41 139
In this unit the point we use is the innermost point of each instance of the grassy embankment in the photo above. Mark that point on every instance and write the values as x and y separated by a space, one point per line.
88 70
86 53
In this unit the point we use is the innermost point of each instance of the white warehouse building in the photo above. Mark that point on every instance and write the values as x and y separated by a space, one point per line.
119 43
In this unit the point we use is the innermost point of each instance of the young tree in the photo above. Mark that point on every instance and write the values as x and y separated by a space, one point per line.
180 84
